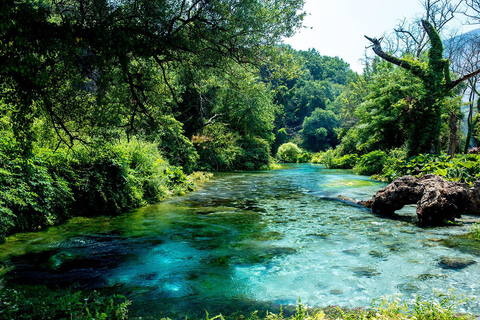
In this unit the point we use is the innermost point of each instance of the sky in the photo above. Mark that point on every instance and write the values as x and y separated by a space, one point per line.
337 27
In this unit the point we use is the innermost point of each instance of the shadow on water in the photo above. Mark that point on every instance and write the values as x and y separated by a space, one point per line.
245 242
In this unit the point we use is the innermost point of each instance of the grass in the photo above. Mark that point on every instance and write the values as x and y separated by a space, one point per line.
46 304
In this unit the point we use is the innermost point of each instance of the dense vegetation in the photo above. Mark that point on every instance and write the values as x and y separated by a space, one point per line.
106 106
110 105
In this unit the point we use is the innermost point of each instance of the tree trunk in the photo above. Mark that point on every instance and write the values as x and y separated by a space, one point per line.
452 142
469 128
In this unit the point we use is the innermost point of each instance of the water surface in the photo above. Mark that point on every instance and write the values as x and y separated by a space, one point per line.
247 241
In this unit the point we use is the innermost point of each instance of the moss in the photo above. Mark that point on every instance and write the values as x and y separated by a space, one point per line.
466 243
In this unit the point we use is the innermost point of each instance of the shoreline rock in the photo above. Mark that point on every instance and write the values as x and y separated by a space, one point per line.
437 199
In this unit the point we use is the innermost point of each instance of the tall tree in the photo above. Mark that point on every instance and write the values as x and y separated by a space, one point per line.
423 136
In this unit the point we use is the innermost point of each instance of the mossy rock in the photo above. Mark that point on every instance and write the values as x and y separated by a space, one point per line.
464 243
455 263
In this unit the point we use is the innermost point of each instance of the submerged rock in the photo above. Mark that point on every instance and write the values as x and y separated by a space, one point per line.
455 263
437 199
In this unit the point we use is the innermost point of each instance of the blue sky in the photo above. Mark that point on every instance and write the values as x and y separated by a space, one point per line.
337 27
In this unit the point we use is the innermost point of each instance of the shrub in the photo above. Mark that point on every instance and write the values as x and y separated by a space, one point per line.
288 153
462 168
348 161
49 187
32 197
317 157
371 163
305 158
222 149
333 161
329 158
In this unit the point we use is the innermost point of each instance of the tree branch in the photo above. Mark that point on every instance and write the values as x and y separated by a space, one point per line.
377 48
453 84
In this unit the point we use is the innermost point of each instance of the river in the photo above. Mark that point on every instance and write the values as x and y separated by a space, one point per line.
247 241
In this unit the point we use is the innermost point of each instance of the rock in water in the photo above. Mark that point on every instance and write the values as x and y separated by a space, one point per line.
455 263
437 199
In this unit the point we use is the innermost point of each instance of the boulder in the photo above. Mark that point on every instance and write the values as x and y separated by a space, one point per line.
437 199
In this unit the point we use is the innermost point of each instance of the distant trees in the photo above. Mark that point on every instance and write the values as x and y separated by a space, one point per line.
310 114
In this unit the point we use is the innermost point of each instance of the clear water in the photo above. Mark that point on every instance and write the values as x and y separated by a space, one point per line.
247 241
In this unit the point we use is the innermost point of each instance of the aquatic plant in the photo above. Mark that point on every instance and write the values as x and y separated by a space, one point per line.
475 231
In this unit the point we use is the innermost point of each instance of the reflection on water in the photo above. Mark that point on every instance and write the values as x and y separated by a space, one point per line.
247 241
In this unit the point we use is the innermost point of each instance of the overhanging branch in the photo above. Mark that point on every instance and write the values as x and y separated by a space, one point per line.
377 48
453 84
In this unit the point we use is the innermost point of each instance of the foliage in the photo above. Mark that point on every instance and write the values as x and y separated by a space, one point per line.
305 158
385 114
289 153
333 160
443 306
93 71
347 161
318 130
328 158
462 168
317 157
222 149
32 197
47 304
476 129
321 80
423 131
52 186
475 231
371 163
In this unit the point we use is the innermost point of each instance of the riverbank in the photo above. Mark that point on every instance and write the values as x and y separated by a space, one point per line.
52 186
91 305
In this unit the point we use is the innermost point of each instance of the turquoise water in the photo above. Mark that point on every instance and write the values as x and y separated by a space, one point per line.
247 241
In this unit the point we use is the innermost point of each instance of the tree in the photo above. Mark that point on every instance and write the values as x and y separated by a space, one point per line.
411 38
423 137
464 53
380 105
318 130
92 50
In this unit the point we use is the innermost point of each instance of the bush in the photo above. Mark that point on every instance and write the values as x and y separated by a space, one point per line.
31 196
462 168
317 157
331 159
49 187
222 149
348 161
288 153
371 163
305 158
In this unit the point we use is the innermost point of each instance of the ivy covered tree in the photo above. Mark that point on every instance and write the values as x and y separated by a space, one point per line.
423 133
